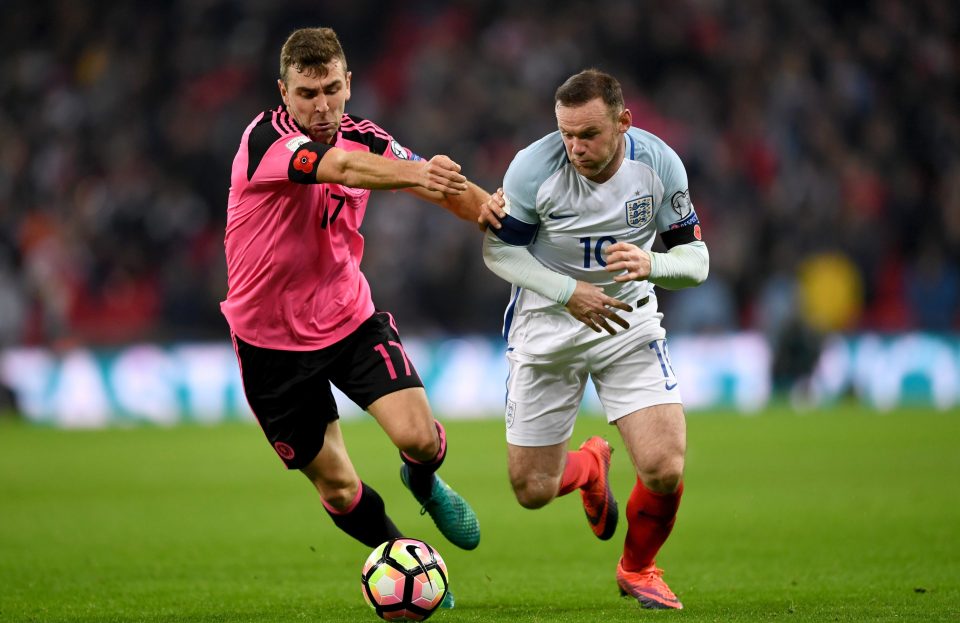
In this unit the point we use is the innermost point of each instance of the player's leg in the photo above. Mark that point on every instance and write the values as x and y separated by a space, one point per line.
543 396
355 507
656 441
639 392
374 371
406 418
362 514
536 472
290 396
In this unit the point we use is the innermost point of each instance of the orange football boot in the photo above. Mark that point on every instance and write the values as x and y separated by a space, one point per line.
648 587
598 501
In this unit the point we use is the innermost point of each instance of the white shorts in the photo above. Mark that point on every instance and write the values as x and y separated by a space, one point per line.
544 391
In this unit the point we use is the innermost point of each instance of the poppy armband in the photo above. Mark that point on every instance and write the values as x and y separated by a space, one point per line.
304 162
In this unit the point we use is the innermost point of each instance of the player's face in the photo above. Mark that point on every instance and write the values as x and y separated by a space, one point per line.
593 137
317 101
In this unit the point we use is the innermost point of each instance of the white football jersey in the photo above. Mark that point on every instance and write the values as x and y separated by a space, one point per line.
567 221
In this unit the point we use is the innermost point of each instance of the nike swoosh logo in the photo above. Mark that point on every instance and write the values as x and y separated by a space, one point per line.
557 216
412 550
668 385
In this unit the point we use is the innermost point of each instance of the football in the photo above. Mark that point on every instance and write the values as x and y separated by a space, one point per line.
404 580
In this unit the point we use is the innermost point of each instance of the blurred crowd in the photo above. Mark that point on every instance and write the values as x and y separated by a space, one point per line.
822 142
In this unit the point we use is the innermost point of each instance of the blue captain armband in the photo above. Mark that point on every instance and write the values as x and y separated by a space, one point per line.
515 232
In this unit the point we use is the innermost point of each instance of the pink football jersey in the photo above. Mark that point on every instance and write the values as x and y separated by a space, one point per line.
292 245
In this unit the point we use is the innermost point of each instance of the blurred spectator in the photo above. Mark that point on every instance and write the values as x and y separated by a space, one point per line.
13 312
830 293
932 288
13 303
708 308
804 126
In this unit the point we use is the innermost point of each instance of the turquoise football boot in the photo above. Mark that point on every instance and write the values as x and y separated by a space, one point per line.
447 603
450 512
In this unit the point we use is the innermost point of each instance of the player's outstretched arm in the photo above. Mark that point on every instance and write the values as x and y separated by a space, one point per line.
466 205
358 169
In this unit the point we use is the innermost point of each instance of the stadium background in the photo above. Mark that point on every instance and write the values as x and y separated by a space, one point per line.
822 142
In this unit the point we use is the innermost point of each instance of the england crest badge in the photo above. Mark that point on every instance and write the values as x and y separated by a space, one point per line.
640 211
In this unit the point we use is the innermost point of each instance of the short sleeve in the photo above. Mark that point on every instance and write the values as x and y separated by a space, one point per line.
520 184
677 219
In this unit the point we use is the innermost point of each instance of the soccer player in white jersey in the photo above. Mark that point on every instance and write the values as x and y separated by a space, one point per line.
572 230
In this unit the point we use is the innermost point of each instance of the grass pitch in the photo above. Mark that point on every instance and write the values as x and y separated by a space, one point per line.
843 515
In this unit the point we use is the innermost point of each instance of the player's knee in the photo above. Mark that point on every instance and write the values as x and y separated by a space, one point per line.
532 493
532 499
338 495
665 476
421 446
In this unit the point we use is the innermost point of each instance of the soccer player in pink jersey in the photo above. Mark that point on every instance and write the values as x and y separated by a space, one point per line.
299 309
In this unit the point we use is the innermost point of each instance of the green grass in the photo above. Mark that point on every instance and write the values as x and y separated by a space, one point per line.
836 516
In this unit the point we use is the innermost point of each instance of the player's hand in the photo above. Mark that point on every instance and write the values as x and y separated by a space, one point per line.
492 211
595 309
442 174
628 259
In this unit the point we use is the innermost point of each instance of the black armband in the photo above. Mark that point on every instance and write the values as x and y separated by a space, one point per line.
304 162
681 235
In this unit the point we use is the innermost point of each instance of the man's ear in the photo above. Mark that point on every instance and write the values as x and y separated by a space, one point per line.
625 120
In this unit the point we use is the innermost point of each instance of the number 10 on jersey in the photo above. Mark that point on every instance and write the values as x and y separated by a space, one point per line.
596 249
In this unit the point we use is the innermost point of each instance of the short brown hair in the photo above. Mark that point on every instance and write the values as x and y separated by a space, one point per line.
310 49
588 85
